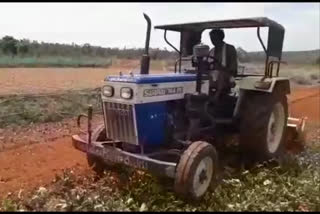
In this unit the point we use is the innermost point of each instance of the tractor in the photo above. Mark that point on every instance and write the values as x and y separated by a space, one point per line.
169 125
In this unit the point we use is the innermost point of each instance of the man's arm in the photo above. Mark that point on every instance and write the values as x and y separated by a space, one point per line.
232 65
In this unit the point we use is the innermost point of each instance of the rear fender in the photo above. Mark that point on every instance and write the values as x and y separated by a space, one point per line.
267 85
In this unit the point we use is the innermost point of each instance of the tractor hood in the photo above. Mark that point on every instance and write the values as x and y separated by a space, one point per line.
153 78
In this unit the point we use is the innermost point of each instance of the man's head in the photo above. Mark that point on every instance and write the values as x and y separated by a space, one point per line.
216 36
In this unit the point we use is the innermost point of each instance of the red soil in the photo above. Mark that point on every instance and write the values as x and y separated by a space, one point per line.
306 103
35 165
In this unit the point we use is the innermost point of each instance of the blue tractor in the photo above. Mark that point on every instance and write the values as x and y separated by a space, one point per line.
169 125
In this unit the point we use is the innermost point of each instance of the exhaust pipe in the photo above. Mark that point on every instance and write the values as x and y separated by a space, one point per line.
145 60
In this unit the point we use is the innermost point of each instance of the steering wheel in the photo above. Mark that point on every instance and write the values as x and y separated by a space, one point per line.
214 62
206 59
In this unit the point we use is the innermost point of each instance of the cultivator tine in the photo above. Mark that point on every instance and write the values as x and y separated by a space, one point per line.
296 135
89 128
89 124
79 121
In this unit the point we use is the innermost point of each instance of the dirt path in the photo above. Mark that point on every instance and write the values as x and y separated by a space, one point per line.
305 102
35 165
27 166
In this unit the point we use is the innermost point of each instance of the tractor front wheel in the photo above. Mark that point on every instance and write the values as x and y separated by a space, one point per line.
195 170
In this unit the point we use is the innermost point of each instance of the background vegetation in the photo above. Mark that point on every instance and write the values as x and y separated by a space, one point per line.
26 53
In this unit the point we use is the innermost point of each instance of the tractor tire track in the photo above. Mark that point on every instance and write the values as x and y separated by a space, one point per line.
303 98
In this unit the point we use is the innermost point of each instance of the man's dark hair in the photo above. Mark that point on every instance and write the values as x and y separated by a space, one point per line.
217 33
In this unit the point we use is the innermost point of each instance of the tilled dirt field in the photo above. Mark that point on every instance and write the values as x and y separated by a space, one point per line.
45 80
52 80
305 102
31 156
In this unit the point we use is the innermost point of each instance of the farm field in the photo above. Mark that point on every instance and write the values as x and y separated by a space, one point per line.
47 80
35 155
51 80
138 108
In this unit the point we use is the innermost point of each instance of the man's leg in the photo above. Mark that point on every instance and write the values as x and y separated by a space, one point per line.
223 80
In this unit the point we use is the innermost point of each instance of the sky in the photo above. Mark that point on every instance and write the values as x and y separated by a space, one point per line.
122 24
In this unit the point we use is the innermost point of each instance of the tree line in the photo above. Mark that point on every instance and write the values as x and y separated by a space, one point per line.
9 46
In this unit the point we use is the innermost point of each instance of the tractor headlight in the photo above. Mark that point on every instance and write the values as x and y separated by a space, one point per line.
107 91
126 93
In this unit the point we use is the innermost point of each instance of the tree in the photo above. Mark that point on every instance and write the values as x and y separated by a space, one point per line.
86 49
243 56
9 45
23 47
154 54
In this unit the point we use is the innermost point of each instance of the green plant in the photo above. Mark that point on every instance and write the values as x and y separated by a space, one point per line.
8 206
301 80
292 186
315 76
9 45
26 109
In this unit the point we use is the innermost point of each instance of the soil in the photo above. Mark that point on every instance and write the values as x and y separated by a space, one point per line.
32 156
35 165
305 102
50 80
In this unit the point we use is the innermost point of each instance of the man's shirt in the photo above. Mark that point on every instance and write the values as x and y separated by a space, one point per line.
227 56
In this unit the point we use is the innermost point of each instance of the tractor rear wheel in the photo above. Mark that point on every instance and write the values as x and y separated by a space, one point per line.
196 170
95 163
263 125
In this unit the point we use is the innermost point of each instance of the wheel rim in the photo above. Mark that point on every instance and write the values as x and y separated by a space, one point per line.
275 128
203 176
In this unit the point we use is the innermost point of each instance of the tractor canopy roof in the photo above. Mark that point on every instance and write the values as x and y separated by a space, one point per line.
230 23
275 33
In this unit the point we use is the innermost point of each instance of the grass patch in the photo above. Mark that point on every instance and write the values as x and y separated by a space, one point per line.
301 74
302 80
157 64
292 187
26 109
51 61
315 76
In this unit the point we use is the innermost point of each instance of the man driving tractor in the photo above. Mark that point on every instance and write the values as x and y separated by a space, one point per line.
225 68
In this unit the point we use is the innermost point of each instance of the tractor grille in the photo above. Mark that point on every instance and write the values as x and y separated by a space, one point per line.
120 122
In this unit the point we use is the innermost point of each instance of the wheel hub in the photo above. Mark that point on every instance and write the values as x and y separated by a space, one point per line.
275 128
202 176
272 128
